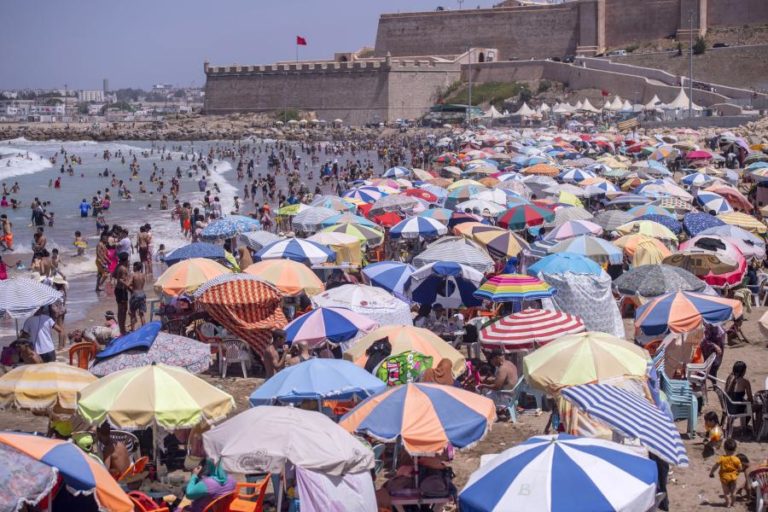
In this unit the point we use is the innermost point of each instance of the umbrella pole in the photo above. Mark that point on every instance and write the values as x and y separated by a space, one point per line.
154 446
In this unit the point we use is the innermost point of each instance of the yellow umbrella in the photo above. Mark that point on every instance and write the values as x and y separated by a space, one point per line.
569 198
584 358
406 338
649 252
461 183
465 229
744 221
43 386
290 277
187 276
647 228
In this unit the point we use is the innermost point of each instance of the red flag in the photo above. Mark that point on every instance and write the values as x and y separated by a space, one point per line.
300 41
604 92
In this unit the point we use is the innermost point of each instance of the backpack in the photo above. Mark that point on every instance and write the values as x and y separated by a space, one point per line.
436 483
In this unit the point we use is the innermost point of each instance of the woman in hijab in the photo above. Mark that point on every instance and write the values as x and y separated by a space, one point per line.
207 483
441 374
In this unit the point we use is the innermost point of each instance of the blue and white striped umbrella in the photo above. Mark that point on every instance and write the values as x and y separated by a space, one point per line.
602 188
633 416
562 474
390 275
445 282
711 202
365 194
229 226
397 172
414 227
297 249
21 297
696 179
575 175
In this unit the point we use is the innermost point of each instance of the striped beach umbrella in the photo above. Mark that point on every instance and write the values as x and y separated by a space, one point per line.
524 216
461 251
574 228
187 276
297 249
499 242
562 473
335 203
463 193
647 228
441 215
415 227
255 240
649 209
366 235
697 179
711 202
347 218
426 418
514 287
445 282
390 275
397 172
309 220
365 194
43 386
575 175
529 329
20 297
599 250
290 277
332 324
229 226
79 472
683 312
744 221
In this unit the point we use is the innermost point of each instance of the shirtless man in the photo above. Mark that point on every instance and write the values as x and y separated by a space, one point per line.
138 302
122 286
102 262
114 455
6 240
273 361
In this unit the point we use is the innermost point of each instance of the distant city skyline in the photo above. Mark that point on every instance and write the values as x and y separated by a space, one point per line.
47 43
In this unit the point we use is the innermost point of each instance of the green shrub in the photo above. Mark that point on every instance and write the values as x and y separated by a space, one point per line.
700 46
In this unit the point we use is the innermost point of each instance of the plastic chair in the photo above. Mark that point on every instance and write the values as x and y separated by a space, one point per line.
84 352
206 332
130 441
761 422
698 374
221 504
252 501
233 351
727 405
378 452
759 481
143 503
682 402
134 469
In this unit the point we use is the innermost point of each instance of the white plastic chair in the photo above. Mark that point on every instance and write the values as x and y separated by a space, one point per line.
233 351
698 373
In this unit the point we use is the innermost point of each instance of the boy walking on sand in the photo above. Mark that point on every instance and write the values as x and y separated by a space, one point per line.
730 466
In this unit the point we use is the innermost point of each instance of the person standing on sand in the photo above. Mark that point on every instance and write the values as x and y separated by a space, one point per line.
138 302
142 245
102 262
122 285
40 329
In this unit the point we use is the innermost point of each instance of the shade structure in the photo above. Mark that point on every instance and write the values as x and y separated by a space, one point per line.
647 228
562 262
317 379
633 416
596 249
458 250
187 276
426 418
290 277
397 172
541 169
375 303
309 220
21 297
249 309
390 275
166 348
499 242
347 218
445 282
463 192
439 214
696 179
228 227
750 245
365 194
43 386
524 216
696 222
153 395
459 218
332 324
562 473
335 203
514 287
715 268
422 194
655 280
367 235
415 227
572 229
529 329
265 438
713 203
407 339
297 249
255 240
291 210
649 209
667 221
567 214
682 312
394 203
195 250
582 359
334 240
388 219
744 221
80 473
39 479
611 219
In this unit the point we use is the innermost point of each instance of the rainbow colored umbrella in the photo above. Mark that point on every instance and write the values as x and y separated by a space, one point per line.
683 312
332 324
426 418
523 216
80 472
514 287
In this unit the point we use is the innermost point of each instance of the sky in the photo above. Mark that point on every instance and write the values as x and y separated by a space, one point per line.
50 43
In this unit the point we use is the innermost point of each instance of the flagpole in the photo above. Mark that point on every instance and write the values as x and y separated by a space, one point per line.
297 51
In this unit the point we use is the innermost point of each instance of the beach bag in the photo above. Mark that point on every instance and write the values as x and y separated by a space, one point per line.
403 368
436 483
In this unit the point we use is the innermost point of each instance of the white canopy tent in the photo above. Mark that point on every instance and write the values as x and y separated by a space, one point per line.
680 102
525 111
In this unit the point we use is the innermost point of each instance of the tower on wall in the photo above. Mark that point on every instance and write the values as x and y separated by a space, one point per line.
693 13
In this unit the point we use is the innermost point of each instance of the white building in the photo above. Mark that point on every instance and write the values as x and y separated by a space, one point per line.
94 96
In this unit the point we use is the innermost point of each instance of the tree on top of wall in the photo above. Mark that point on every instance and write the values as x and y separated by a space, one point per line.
700 46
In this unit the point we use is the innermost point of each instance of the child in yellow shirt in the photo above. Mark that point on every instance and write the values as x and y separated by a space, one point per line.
730 467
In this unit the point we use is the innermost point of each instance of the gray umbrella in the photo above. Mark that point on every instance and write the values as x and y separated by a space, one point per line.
611 219
655 280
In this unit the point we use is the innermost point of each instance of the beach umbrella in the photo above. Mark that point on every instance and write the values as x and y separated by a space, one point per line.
682 312
596 249
633 416
228 227
335 203
290 277
406 338
390 275
529 329
265 438
649 209
500 243
524 216
562 262
514 287
568 214
674 205
367 235
458 250
575 175
317 379
332 324
541 169
458 218
482 207
563 473
415 227
574 228
16 493
158 394
80 473
387 185
744 221
195 250
628 200
696 222
442 215
299 250
600 189
375 303
647 228
291 210
347 218
365 194
255 240
165 348
697 179
422 194
425 418
655 280
20 297
667 221
716 268
445 282
750 245
187 276
387 220
335 241
462 193
394 203
712 203
310 219
41 387
496 195
397 172
582 359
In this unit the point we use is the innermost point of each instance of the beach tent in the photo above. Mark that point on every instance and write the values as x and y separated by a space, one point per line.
617 104
627 106
680 102
493 114
588 107
653 104
524 111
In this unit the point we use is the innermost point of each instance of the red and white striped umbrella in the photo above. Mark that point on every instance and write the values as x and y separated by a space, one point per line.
528 329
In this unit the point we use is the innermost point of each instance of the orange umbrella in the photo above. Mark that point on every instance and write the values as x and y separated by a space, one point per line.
542 170
187 276
290 277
